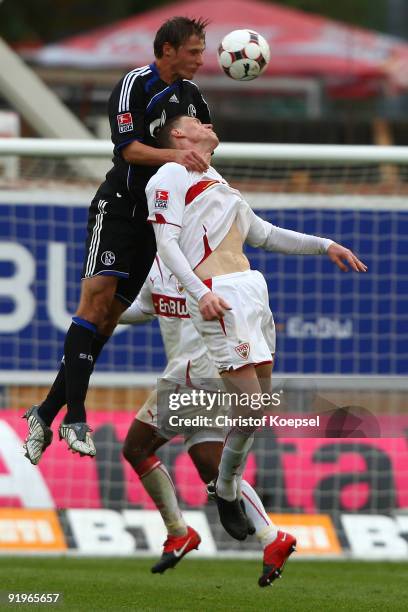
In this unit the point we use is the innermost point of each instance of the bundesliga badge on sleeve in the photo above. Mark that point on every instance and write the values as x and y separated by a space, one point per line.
125 122
161 199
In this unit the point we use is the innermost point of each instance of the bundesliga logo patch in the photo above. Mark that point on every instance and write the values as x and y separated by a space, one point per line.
125 122
162 199
243 350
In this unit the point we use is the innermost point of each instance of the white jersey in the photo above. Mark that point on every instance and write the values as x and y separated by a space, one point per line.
201 209
175 196
186 353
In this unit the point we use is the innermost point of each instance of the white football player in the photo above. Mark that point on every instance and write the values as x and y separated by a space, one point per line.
200 224
188 361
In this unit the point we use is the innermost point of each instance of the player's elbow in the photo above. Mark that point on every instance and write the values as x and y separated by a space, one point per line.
132 153
127 154
164 250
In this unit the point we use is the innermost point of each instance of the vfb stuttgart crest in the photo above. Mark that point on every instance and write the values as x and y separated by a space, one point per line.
243 350
179 287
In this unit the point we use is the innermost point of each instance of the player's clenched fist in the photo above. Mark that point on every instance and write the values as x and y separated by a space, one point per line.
342 256
212 306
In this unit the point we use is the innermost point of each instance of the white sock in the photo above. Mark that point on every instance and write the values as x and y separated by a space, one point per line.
239 475
159 485
265 530
232 462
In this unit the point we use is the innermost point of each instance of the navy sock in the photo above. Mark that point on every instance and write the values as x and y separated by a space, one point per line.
78 367
55 399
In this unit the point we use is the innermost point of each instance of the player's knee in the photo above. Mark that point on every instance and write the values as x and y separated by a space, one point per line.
95 310
132 453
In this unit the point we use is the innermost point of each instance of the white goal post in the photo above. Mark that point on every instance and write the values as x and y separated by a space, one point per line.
50 147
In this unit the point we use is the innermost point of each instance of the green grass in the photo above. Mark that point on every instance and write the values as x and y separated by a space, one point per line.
206 585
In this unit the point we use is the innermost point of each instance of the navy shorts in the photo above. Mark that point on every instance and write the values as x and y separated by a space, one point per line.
120 241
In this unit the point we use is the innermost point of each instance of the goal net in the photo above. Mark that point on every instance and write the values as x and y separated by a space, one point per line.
347 333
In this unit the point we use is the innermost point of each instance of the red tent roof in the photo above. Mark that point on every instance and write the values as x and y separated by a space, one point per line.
301 44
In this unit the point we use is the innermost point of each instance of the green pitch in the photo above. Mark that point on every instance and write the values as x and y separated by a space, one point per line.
206 585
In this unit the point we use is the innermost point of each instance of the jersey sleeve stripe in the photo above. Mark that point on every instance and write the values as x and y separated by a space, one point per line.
124 85
127 84
129 89
197 189
158 218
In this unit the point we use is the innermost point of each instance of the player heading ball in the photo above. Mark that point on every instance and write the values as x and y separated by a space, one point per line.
200 231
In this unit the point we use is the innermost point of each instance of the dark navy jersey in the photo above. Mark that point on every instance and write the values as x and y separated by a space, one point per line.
139 105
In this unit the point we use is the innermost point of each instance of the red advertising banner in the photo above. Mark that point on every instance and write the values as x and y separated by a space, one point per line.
303 475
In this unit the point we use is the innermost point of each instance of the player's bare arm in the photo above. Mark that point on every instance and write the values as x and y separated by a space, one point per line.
229 257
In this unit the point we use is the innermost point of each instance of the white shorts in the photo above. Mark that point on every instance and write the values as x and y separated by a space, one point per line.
192 435
246 334
182 370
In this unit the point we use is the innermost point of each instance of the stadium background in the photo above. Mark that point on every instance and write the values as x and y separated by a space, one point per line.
342 497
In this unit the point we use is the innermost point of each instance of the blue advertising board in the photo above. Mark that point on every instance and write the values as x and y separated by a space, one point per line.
327 321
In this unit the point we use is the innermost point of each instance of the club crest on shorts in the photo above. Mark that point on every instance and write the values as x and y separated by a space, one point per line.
108 258
179 287
125 122
243 350
161 199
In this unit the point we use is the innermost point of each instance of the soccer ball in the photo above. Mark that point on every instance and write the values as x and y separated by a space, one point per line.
243 54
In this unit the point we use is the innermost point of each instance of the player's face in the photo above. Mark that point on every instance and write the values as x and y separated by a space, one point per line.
187 59
198 132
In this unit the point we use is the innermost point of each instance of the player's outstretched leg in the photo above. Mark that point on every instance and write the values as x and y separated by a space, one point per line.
241 385
55 400
141 442
277 545
96 318
39 435
181 538
232 516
